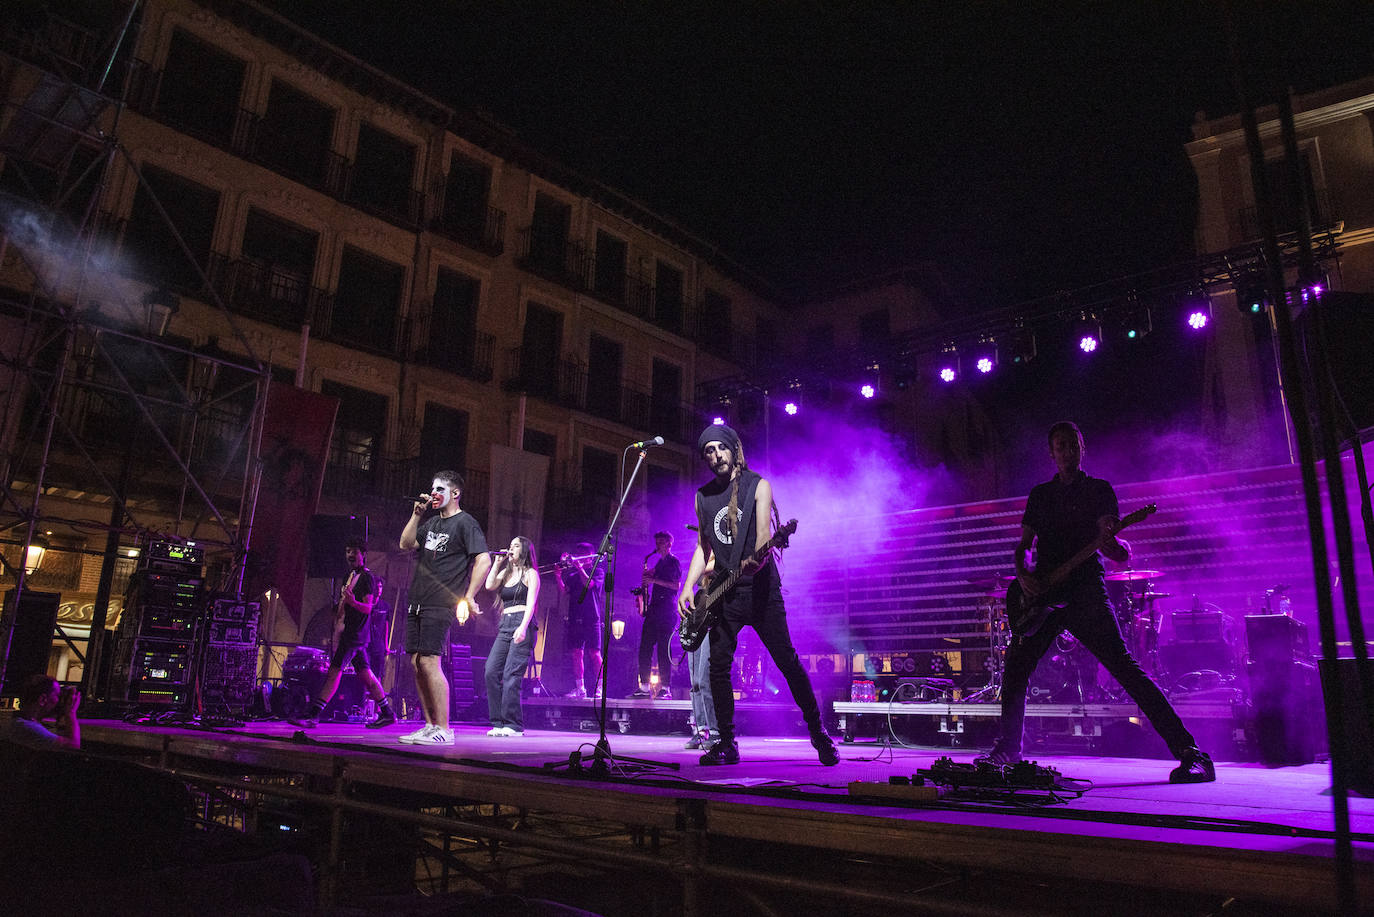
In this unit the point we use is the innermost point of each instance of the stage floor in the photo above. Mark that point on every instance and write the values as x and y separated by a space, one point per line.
1259 834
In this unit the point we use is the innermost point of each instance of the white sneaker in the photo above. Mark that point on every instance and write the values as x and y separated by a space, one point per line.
414 737
508 731
436 736
496 731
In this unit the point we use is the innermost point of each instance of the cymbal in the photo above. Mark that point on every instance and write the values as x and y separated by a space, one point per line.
1131 576
995 583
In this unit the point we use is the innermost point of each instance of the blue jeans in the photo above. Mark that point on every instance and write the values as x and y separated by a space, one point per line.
505 672
703 711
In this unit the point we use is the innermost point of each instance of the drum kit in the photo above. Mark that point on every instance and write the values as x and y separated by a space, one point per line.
1068 673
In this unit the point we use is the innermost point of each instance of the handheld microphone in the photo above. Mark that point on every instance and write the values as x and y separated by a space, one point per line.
498 553
429 502
647 443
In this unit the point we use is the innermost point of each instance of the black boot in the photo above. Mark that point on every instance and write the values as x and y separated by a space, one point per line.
725 751
825 747
385 715
1194 767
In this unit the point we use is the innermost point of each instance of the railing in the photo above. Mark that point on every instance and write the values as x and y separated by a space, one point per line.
566 263
267 293
405 210
468 355
352 476
58 44
1323 207
624 291
321 168
559 381
485 232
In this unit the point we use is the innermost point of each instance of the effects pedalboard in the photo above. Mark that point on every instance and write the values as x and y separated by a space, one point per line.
949 778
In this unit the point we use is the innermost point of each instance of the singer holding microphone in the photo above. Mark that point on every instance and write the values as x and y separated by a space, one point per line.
515 577
452 565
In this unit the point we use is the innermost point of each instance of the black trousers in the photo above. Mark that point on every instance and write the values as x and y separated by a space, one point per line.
1087 614
659 625
759 605
505 672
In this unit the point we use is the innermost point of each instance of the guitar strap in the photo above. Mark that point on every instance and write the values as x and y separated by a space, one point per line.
749 483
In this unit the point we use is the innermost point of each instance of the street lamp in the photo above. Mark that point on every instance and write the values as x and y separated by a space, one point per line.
34 554
159 306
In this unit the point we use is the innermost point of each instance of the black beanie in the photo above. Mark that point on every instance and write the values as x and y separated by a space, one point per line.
719 433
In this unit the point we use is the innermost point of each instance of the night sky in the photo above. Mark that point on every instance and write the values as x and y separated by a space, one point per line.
1024 148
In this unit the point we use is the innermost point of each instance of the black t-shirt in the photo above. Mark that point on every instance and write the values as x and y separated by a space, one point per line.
355 621
587 611
447 547
664 598
1064 520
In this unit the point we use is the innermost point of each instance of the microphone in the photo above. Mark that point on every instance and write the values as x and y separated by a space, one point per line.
647 443
417 500
498 553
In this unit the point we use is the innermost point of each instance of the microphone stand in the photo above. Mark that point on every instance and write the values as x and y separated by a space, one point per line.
602 757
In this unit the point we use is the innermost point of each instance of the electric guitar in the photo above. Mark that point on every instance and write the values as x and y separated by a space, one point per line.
697 623
1025 614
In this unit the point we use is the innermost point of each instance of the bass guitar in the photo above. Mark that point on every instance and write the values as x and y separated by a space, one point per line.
1026 614
697 623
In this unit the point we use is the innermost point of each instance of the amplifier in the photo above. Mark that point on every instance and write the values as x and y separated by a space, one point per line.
166 663
1198 627
173 557
235 632
165 622
304 662
1276 638
234 610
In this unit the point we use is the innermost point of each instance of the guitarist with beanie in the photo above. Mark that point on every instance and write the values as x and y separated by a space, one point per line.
1070 520
735 519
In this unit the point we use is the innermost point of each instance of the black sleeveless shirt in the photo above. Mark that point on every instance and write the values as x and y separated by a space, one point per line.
713 503
517 594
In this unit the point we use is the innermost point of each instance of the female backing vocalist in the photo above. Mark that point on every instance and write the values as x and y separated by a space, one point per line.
514 577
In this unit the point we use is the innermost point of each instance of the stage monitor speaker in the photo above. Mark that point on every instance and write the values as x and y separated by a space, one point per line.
1357 716
31 639
327 538
1348 323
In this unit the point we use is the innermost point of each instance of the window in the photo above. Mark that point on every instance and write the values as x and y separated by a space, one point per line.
278 263
359 428
541 343
382 173
443 440
665 408
668 297
604 358
599 478
367 302
465 195
295 134
611 258
453 321
549 229
715 323
199 90
541 443
874 330
152 249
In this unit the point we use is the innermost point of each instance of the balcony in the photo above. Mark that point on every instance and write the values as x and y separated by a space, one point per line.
624 291
321 168
401 207
268 293
565 263
1324 215
483 232
468 355
561 382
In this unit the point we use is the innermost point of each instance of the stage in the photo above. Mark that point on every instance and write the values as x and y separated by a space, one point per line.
1115 837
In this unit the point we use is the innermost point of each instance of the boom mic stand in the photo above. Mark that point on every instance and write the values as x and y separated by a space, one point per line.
602 757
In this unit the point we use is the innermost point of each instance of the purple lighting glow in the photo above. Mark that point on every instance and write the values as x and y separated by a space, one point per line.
791 408
718 421
984 365
1087 343
1197 320
947 374
868 391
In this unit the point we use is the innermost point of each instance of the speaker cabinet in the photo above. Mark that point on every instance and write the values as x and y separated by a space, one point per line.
31 639
1357 716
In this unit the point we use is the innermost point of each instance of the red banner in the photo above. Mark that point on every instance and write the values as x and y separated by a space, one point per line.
295 447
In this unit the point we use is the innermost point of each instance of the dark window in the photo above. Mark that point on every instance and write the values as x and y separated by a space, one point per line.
540 346
820 340
295 134
604 358
664 486
611 257
668 297
874 330
453 330
466 194
200 88
359 428
287 252
541 443
665 407
382 172
549 231
598 475
151 247
443 439
367 301
715 323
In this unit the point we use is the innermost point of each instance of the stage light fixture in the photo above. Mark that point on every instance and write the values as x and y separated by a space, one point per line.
792 402
1134 319
718 420
1019 345
948 368
867 390
983 355
1087 332
1251 296
1197 313
869 387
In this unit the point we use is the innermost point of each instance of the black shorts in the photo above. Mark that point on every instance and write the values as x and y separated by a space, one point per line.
352 650
582 634
427 629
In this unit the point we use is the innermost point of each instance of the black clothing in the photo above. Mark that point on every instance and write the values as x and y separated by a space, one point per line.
583 612
660 623
355 621
713 503
505 672
664 598
1064 520
513 595
447 547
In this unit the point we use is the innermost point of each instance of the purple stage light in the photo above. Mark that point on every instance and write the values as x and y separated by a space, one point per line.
1087 343
947 374
984 365
790 407
1197 319
718 421
867 390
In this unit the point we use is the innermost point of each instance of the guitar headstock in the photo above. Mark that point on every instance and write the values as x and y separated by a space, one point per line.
785 532
1146 510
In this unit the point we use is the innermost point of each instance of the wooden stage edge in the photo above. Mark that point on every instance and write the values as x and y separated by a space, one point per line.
1260 834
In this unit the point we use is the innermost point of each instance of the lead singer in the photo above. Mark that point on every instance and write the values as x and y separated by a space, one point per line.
735 520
